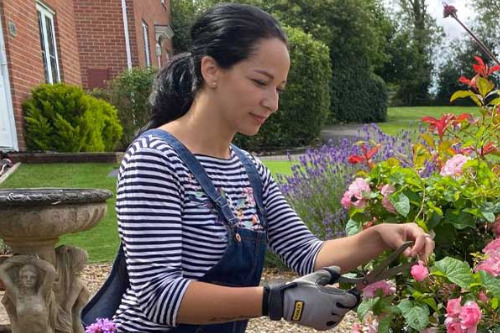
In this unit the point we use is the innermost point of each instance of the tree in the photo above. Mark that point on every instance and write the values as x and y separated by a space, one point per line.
183 14
487 26
421 33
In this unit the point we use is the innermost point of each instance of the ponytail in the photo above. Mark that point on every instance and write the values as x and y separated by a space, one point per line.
173 91
229 34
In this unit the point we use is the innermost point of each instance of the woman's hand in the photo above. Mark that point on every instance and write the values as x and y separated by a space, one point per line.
394 235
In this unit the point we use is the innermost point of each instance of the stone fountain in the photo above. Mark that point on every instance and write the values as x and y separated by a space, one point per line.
44 291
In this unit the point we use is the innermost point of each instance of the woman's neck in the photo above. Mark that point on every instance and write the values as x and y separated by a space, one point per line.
202 131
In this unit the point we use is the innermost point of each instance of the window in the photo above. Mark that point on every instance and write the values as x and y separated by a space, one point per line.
48 44
145 35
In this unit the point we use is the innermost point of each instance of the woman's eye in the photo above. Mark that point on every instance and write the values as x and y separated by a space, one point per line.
280 90
260 83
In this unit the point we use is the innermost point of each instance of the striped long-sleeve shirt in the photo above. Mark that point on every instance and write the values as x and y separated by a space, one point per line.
172 234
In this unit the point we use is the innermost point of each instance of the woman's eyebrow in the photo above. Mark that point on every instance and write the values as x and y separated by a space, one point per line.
266 73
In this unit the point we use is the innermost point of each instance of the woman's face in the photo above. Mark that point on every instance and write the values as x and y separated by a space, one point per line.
28 276
248 93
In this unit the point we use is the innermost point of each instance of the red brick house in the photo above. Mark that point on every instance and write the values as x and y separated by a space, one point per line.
83 42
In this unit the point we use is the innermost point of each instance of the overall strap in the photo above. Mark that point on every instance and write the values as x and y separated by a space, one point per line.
199 173
255 182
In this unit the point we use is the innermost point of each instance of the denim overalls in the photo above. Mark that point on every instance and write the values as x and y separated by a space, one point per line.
240 266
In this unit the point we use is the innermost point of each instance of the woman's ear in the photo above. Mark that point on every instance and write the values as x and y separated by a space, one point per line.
210 71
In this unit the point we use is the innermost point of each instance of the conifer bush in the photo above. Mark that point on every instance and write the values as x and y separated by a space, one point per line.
63 118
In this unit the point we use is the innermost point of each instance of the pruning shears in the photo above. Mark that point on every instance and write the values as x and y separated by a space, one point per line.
380 272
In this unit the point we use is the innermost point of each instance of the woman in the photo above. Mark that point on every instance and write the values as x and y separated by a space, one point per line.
193 266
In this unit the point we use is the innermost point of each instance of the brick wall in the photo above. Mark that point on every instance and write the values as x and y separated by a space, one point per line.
101 38
24 52
151 12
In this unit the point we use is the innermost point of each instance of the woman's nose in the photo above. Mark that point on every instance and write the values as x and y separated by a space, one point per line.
271 101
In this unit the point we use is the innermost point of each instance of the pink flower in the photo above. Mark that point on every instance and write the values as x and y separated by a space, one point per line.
470 316
357 328
453 307
491 264
419 272
387 287
386 190
354 194
453 325
483 297
453 167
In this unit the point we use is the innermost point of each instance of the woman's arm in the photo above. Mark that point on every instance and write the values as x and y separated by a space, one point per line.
5 277
206 303
350 252
50 276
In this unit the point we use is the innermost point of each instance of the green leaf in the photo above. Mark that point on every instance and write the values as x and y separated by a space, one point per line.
492 283
489 216
484 85
353 227
384 324
457 271
416 314
466 93
460 220
366 306
401 203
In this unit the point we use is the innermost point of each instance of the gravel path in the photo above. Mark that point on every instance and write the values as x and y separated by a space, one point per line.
95 274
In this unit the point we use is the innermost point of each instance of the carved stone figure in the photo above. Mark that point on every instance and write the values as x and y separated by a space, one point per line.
70 290
29 299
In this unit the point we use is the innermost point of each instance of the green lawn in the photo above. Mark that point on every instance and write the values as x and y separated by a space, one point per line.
101 242
405 117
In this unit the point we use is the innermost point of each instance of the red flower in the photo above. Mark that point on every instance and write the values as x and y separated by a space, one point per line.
366 157
488 148
449 10
470 83
484 70
439 125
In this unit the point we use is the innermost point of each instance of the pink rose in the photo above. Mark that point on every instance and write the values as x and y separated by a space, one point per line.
453 167
470 316
354 194
453 325
419 272
483 297
387 287
453 307
386 190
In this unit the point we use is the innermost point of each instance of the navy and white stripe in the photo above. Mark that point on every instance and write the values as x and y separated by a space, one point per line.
172 234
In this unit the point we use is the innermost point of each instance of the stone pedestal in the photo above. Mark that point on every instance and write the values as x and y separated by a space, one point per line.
44 291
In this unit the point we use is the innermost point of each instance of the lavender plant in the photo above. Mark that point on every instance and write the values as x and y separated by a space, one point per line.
320 178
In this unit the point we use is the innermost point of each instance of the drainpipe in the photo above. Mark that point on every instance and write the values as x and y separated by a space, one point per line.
127 37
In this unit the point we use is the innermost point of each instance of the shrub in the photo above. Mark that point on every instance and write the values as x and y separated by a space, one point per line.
63 118
318 181
304 105
129 93
357 94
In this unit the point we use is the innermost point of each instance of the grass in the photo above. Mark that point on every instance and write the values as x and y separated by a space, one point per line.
101 242
399 118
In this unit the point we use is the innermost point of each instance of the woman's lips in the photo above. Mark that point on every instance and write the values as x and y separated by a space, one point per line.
260 119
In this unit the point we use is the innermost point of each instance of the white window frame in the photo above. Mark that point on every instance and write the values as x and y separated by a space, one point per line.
45 14
145 36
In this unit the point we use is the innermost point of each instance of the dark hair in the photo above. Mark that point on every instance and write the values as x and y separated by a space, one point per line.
229 34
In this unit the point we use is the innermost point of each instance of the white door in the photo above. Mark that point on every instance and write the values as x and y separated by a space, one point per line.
8 138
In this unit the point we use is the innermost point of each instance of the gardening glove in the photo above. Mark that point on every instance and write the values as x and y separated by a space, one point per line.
306 300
